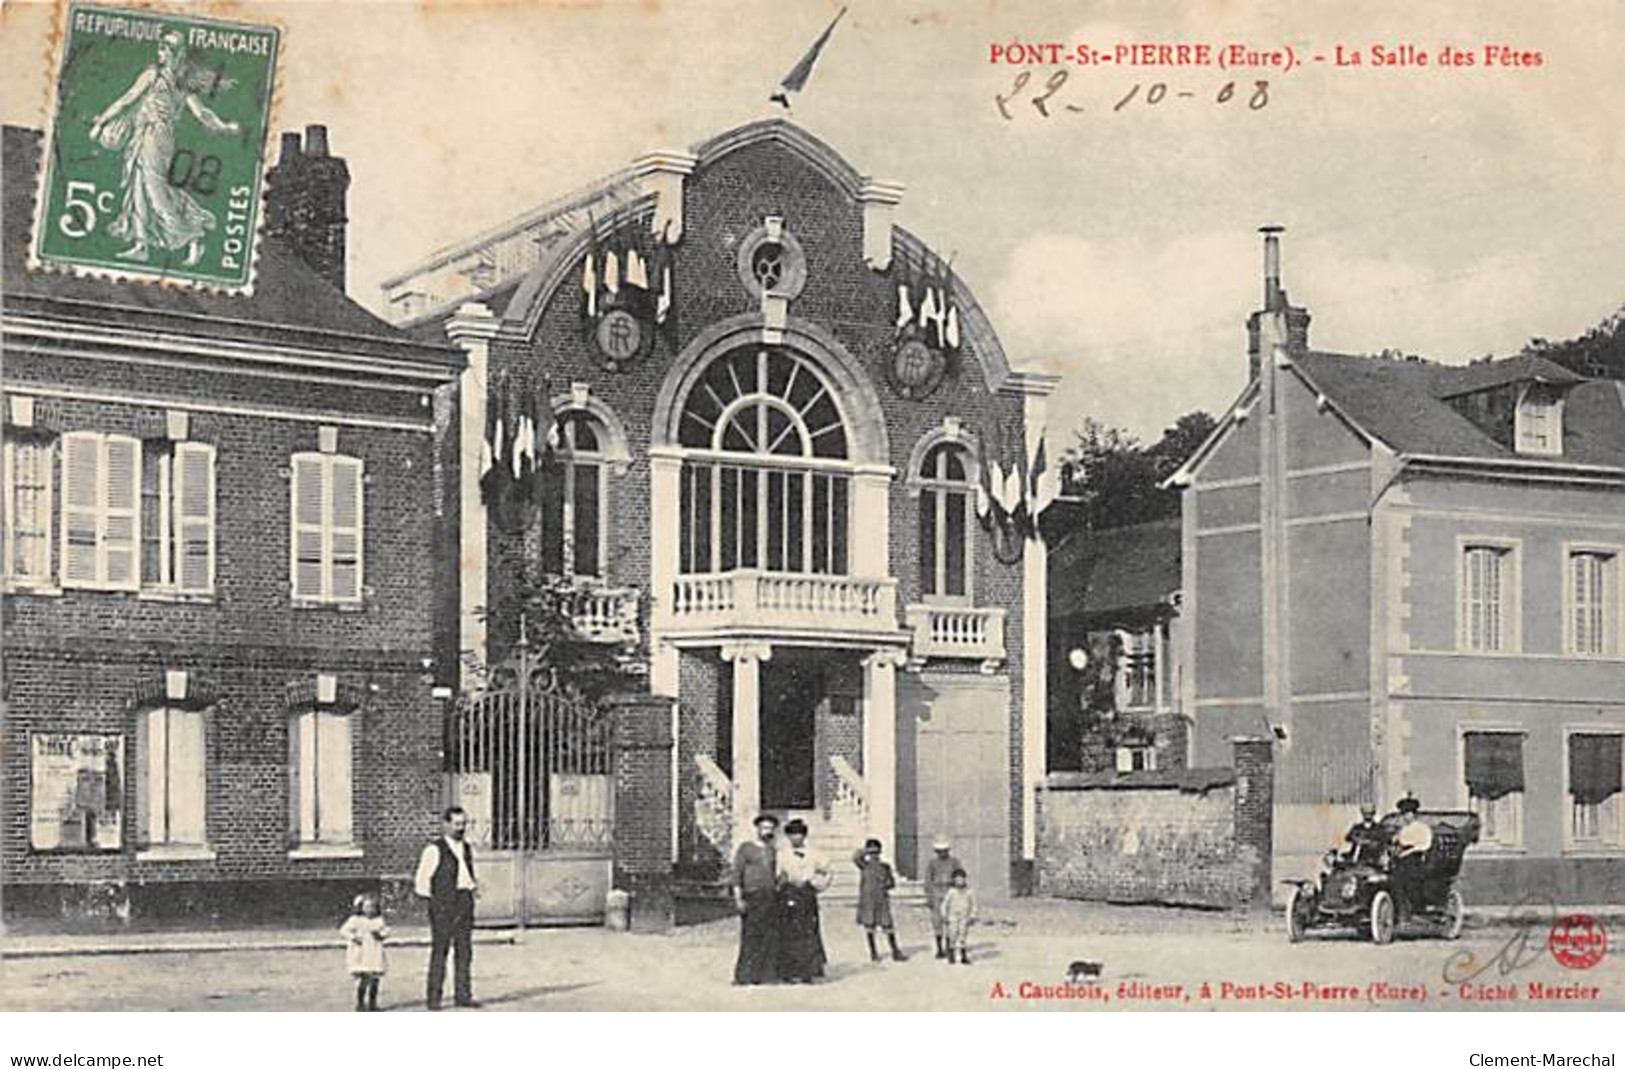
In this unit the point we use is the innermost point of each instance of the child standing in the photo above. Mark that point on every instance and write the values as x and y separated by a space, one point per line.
958 911
939 877
875 882
364 956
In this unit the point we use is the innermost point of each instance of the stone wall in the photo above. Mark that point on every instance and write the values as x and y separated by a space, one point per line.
1196 837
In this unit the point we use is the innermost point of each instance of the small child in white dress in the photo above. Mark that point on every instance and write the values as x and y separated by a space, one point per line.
365 932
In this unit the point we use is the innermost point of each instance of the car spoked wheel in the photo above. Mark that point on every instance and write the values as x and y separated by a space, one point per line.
1382 918
1455 914
1297 914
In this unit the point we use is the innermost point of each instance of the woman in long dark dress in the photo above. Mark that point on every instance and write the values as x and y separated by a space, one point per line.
802 875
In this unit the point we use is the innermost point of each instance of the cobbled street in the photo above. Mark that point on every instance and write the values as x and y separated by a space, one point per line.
1152 958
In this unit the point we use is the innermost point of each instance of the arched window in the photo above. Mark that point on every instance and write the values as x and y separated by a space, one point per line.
574 486
945 496
766 479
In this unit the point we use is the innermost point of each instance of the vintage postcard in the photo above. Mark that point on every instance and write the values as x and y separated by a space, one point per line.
882 506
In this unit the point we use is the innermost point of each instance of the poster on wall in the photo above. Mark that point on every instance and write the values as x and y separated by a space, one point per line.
78 792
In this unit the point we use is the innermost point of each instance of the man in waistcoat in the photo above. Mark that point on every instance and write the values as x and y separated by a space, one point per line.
756 897
445 877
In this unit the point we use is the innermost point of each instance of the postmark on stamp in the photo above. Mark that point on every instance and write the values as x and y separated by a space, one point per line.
154 162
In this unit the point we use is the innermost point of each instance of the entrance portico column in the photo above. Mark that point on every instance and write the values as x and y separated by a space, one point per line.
880 742
746 658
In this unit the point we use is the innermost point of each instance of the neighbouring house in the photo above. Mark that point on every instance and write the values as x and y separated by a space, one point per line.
1409 574
219 513
771 404
1114 682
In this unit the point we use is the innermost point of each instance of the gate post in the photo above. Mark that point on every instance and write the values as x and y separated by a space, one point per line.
644 814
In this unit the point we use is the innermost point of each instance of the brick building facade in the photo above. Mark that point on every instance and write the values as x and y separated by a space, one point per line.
765 491
218 647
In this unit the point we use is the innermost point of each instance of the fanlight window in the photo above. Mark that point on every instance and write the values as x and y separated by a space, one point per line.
945 501
765 485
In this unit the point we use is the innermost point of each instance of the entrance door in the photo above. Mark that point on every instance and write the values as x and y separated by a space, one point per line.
791 691
961 777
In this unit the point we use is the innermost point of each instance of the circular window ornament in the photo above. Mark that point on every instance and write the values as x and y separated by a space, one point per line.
916 369
772 261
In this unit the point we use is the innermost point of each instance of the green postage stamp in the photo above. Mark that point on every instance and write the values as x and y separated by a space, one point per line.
153 162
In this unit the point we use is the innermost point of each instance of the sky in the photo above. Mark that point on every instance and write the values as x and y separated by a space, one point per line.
1450 212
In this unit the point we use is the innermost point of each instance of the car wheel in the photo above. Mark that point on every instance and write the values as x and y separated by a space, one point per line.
1382 918
1297 915
1455 914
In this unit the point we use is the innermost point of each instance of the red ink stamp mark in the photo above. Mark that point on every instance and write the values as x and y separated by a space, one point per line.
1578 941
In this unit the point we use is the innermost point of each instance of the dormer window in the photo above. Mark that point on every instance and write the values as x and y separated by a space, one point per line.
1540 421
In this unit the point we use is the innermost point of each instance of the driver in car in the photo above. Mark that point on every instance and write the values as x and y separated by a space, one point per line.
1365 838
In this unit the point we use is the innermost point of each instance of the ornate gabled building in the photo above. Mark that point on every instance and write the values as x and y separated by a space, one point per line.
771 405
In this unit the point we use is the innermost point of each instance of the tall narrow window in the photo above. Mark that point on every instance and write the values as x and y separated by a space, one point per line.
27 535
1486 598
1539 422
944 522
320 776
1493 766
327 528
1593 586
1596 766
101 511
171 779
573 485
177 517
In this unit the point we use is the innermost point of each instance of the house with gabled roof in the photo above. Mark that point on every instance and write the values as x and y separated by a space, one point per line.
1411 575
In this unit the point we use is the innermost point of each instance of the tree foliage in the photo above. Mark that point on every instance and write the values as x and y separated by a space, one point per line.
1115 480
1598 353
548 605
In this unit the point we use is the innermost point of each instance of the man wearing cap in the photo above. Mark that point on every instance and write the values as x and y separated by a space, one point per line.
1365 838
756 897
939 878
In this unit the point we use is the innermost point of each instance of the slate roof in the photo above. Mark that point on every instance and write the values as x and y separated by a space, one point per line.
1118 570
1403 405
291 303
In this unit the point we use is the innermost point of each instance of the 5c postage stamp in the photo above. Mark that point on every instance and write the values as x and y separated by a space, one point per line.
156 142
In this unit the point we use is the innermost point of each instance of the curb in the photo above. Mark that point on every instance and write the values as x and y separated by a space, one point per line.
100 950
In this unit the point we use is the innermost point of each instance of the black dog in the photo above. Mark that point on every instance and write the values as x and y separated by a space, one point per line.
1081 969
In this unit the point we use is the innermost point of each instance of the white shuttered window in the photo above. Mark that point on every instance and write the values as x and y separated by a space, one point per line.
319 765
101 511
326 532
171 778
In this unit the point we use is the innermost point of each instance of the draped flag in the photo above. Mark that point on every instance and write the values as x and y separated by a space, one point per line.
1012 496
520 430
797 78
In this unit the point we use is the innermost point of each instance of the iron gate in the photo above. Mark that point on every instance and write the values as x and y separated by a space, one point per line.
533 766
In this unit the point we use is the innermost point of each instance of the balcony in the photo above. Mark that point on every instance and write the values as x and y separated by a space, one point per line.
957 632
764 603
605 614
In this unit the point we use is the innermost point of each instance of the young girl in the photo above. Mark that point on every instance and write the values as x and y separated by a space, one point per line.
874 898
958 911
366 932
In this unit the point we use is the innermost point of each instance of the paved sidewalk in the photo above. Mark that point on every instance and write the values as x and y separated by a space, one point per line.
215 941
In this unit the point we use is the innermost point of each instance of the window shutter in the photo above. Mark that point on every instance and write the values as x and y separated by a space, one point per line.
149 786
81 507
307 543
305 773
345 528
188 777
8 515
121 513
194 517
333 741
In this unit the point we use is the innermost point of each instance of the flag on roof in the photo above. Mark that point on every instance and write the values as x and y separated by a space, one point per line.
797 78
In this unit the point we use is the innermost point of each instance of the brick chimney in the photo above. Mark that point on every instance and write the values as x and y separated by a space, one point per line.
1275 300
305 202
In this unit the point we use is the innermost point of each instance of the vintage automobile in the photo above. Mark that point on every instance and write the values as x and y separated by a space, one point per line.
1356 889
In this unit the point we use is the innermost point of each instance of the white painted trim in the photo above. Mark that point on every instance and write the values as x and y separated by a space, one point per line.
1330 696
1237 483
1235 528
176 853
324 851
1570 520
1328 517
1229 703
153 401
1330 469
